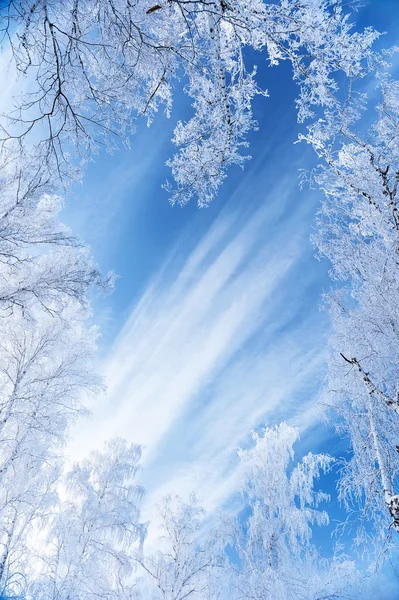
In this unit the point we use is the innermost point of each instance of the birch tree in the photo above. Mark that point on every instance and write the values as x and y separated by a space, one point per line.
358 232
369 477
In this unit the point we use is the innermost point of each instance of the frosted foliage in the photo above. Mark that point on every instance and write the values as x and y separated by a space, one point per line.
99 65
358 226
95 531
42 266
46 356
364 412
95 67
274 543
43 373
45 368
190 559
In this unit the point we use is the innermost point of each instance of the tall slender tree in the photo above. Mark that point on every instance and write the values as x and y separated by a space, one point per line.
357 230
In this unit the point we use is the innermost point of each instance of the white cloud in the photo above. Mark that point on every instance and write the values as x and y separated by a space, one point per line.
210 351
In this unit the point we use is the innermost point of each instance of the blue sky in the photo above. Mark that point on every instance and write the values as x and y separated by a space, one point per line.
215 325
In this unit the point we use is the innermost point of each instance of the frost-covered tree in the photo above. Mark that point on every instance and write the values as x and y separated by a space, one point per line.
358 226
96 66
41 263
45 368
189 560
361 391
274 540
368 483
46 354
95 531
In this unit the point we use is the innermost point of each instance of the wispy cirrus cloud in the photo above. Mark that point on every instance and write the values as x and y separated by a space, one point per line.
219 342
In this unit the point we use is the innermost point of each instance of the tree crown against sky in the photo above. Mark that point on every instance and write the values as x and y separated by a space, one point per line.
97 66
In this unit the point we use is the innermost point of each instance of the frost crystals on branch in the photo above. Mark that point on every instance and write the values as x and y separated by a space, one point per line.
358 231
190 561
95 67
95 531
274 544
